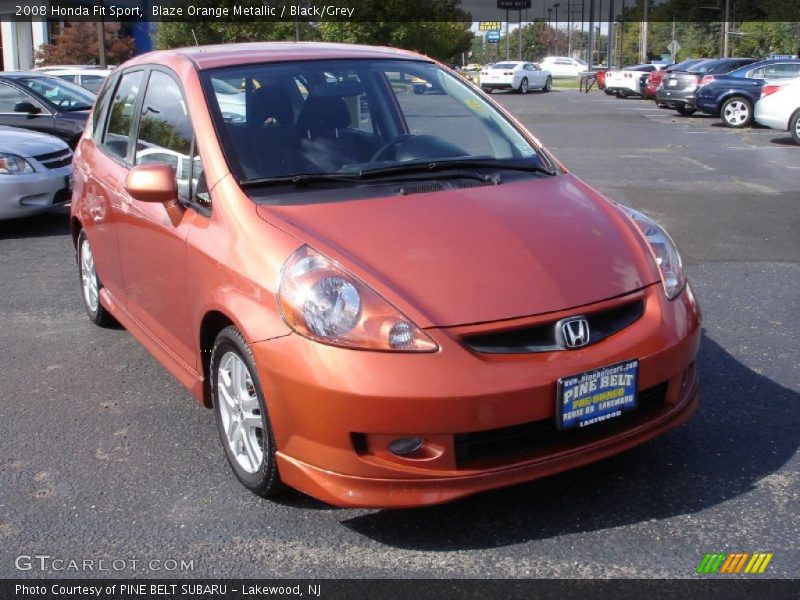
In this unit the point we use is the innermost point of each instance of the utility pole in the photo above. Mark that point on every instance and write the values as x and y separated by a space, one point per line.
590 54
519 50
610 41
507 46
643 51
726 29
101 39
556 5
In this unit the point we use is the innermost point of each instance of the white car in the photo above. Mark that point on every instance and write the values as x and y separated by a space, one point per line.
35 172
564 66
629 81
779 107
515 75
87 77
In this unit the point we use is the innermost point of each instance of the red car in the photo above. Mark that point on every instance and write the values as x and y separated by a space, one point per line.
389 299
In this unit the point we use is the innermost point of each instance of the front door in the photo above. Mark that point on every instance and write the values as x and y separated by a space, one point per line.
152 246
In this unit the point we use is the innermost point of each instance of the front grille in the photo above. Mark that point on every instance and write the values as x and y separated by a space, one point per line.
542 436
542 337
56 160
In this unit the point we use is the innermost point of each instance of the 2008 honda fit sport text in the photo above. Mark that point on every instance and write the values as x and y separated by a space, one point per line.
389 298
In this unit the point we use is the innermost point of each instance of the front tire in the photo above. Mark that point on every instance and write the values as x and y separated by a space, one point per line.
523 86
91 285
737 112
242 421
686 111
794 126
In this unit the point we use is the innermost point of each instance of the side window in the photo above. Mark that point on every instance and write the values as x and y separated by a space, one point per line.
165 131
92 82
9 96
101 108
120 119
756 73
70 78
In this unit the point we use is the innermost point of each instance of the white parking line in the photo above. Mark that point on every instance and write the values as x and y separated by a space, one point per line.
697 162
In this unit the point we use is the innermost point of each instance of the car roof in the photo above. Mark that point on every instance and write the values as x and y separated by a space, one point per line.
225 55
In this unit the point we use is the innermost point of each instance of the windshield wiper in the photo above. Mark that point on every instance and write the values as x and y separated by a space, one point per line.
300 180
361 177
444 165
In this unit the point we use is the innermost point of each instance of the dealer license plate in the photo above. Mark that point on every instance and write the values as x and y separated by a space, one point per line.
596 396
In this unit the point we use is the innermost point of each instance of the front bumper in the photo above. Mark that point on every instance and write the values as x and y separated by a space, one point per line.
32 193
334 411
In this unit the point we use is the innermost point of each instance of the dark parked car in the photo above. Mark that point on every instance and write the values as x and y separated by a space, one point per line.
733 96
679 87
654 79
44 103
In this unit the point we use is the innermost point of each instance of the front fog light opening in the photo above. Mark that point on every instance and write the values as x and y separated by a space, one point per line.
406 446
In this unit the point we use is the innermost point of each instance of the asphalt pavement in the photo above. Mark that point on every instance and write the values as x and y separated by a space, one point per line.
103 456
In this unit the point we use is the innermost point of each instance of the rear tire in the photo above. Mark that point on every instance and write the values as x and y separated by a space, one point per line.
523 86
548 85
91 285
242 421
686 111
737 112
622 94
794 126
609 92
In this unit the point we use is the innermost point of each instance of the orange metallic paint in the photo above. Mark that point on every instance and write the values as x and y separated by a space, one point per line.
455 262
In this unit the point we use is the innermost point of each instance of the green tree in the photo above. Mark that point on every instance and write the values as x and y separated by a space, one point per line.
176 35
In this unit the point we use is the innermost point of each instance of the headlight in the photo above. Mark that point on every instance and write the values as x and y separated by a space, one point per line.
11 164
664 250
321 300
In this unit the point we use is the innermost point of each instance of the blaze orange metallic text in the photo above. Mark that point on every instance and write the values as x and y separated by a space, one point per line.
390 293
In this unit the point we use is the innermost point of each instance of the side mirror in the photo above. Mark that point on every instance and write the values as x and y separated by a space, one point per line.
152 183
26 107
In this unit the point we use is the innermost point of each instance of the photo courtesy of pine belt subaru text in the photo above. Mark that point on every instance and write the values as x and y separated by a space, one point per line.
388 291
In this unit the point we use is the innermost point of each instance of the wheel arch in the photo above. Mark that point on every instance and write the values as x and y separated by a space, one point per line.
212 323
75 227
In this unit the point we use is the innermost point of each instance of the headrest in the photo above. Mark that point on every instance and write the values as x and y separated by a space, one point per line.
269 105
322 112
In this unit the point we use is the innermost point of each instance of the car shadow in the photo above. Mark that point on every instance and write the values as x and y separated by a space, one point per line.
744 430
53 223
786 140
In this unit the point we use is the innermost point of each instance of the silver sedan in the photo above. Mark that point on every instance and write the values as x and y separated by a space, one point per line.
35 172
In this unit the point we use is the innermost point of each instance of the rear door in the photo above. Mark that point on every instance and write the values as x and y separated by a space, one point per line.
102 168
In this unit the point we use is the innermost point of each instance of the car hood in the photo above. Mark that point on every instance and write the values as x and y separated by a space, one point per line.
26 143
480 254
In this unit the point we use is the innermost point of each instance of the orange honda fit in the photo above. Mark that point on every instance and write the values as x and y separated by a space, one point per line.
389 298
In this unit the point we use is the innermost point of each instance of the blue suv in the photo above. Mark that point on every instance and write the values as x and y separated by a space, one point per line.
732 96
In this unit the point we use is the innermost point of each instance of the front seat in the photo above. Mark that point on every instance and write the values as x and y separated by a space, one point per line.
323 146
271 132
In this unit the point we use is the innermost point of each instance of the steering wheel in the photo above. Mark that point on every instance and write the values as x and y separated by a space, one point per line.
394 142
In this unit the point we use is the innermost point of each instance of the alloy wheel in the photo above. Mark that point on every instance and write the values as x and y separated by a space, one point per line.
89 277
736 113
241 412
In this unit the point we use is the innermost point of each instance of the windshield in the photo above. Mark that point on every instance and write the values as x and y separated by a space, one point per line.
704 66
349 117
63 95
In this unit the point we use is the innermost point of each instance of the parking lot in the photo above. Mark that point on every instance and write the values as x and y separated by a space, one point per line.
103 455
